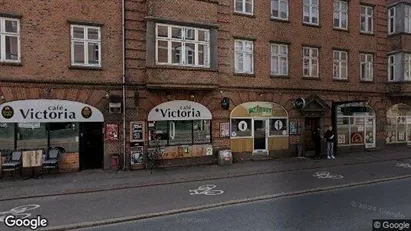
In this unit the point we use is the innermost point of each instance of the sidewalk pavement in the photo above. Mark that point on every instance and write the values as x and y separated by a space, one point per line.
98 180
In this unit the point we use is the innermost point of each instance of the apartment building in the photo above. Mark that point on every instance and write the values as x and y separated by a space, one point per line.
254 77
60 65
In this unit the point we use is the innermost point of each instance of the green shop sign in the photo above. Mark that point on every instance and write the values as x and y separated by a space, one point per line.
260 110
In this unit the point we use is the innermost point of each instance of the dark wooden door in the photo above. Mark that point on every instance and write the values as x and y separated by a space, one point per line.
311 124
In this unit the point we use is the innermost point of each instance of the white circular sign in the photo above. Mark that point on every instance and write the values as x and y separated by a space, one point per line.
233 134
284 133
278 125
242 126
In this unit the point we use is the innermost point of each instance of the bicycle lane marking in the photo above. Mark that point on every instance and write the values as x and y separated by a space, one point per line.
207 189
327 175
20 211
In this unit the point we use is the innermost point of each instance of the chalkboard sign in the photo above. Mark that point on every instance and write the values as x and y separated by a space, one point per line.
137 131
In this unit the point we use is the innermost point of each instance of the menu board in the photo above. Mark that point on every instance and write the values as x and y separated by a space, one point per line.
137 131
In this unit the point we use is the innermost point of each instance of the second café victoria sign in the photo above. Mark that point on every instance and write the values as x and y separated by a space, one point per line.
45 110
179 110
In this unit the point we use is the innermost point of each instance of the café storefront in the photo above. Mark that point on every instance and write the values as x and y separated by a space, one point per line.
259 128
38 124
182 130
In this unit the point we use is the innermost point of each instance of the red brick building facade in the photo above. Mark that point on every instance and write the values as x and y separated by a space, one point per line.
205 75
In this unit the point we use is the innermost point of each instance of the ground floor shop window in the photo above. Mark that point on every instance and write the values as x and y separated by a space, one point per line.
31 136
180 132
398 128
7 136
356 125
241 128
278 127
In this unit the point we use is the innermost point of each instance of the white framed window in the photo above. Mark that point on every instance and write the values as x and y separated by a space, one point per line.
407 67
182 46
340 14
9 40
311 12
244 60
279 59
244 6
366 67
85 45
391 68
407 19
367 21
340 65
391 20
279 9
310 62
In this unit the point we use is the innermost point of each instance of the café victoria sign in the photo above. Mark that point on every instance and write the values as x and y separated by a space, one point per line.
48 111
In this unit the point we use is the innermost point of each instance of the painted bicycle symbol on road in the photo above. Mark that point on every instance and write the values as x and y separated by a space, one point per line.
207 189
403 165
327 175
19 212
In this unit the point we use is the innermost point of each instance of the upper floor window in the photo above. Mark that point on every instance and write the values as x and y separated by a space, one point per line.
244 6
367 19
310 62
407 19
185 46
407 69
340 66
279 9
244 60
391 68
9 40
341 14
311 12
279 59
391 20
85 45
366 67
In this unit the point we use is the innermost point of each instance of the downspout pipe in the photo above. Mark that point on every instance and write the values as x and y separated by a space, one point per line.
124 80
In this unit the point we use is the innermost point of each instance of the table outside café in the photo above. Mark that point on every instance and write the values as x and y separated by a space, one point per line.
32 160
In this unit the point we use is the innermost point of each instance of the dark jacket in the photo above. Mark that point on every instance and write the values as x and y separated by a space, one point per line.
316 136
329 136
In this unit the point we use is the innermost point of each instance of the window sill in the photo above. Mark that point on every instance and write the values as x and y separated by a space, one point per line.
91 68
244 74
366 81
341 80
18 64
341 29
279 76
311 25
280 20
185 68
367 34
244 14
311 78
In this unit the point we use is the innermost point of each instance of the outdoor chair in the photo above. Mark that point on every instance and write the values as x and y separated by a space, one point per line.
13 163
52 159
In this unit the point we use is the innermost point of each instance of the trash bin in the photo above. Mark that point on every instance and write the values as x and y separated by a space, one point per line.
115 159
225 157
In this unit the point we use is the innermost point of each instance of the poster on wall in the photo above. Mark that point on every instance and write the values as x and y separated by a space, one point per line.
224 129
137 155
293 127
111 132
341 139
401 136
357 138
137 131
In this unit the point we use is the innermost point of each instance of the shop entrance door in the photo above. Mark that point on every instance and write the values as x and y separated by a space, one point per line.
91 146
260 135
311 125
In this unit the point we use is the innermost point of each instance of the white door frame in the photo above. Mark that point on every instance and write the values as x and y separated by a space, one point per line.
373 132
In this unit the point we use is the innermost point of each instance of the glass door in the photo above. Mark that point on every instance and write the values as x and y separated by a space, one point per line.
260 137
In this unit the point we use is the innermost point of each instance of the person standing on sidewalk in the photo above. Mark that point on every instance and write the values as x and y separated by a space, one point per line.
330 136
317 143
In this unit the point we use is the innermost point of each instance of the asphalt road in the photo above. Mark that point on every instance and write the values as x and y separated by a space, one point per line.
71 209
345 209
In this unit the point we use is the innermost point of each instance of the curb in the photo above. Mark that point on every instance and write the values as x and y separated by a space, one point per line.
180 181
216 205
